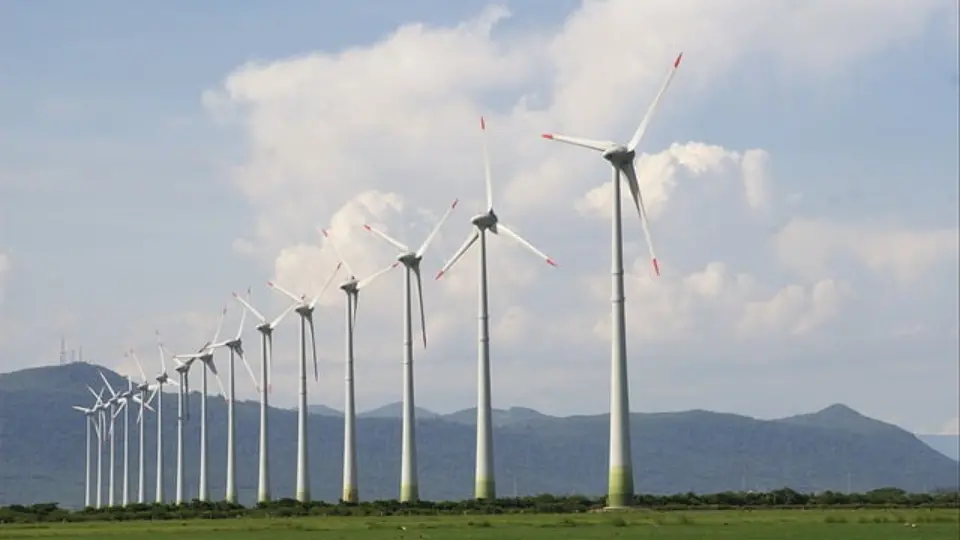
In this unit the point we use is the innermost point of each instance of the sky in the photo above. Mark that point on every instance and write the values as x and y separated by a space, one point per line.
801 178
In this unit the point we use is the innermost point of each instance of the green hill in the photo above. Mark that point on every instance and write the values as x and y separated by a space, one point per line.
42 449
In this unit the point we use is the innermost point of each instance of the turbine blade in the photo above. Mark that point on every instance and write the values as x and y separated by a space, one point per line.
486 164
216 334
631 174
638 135
243 320
283 314
249 370
369 279
284 292
133 354
250 308
313 347
186 393
333 245
269 360
386 238
503 228
474 234
216 376
94 394
600 146
163 362
313 303
79 408
109 387
436 229
423 318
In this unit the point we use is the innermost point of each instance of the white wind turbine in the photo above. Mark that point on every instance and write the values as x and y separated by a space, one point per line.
88 414
351 288
620 487
266 352
305 310
121 402
236 350
112 410
488 221
205 356
409 486
183 413
100 426
162 379
143 388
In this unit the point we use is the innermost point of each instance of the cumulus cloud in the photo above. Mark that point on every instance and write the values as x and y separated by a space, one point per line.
388 133
812 246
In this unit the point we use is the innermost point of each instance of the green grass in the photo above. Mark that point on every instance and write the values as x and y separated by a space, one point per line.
734 524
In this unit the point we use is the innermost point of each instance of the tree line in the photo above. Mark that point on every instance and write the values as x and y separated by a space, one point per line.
785 498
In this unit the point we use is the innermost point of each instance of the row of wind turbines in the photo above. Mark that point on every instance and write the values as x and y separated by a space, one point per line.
101 417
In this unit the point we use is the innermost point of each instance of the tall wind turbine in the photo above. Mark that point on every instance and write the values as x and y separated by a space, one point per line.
351 288
88 414
266 352
112 411
121 402
409 486
236 350
488 221
205 356
100 426
620 488
143 388
183 412
162 379
305 310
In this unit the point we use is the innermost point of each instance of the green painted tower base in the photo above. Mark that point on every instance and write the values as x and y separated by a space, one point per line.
485 489
409 493
620 491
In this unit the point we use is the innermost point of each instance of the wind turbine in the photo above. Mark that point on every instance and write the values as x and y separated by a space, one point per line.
409 486
183 390
488 221
144 401
112 410
162 379
305 310
88 413
120 404
236 350
205 356
266 351
100 426
620 488
351 288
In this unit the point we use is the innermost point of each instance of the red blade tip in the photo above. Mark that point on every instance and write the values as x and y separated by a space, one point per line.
656 266
455 203
483 124
235 294
365 226
551 262
325 233
676 64
269 284
547 136
439 275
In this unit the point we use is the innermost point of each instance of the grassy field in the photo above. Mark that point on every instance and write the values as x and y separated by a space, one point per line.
738 524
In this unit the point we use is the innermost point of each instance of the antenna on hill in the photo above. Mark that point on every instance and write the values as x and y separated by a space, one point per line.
63 350
80 354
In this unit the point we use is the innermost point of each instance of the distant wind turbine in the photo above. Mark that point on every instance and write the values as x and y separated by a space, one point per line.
305 310
409 485
620 488
88 414
162 379
266 353
488 221
143 388
351 288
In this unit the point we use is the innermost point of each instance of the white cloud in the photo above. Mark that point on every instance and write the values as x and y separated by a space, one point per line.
387 133
950 427
813 246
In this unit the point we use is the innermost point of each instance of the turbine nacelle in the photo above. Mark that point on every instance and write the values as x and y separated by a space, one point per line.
486 220
350 286
619 155
410 259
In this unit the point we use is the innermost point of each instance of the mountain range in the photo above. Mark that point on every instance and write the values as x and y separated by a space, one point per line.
42 448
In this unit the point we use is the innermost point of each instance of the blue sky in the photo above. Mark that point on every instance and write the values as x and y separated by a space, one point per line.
136 149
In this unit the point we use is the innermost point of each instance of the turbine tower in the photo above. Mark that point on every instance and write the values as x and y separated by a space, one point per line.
409 486
236 351
183 413
620 488
488 221
112 411
162 379
266 352
88 414
205 356
121 404
100 426
305 311
351 288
